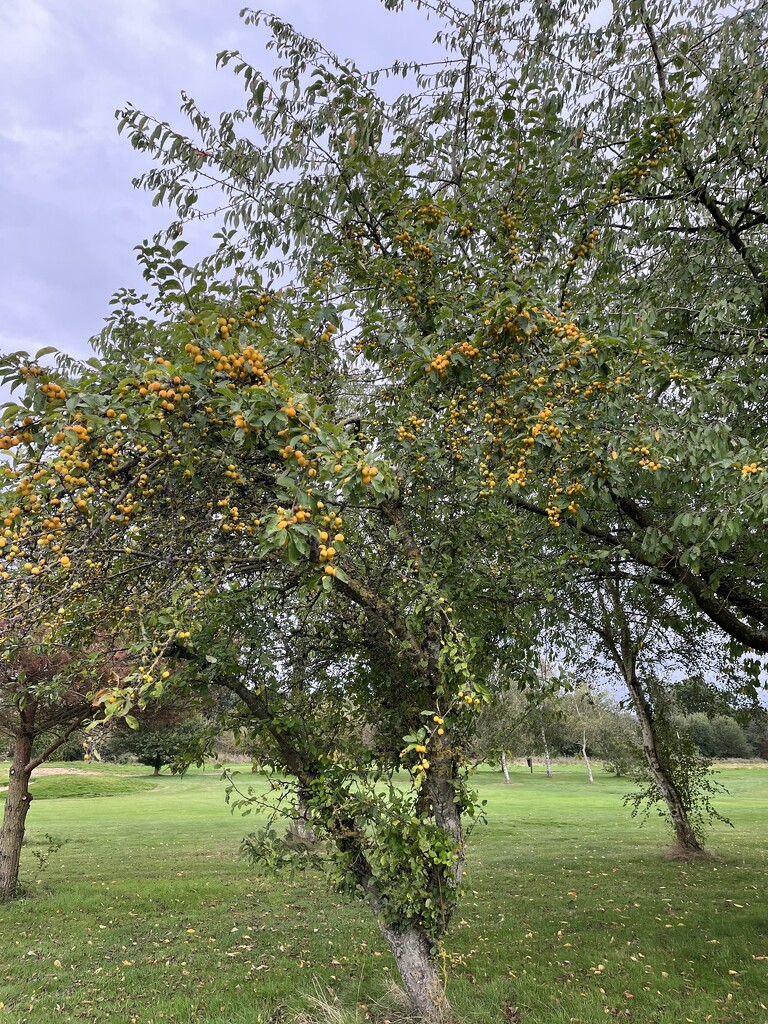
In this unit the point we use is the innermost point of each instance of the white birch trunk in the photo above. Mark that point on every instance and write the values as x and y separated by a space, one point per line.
584 755
547 759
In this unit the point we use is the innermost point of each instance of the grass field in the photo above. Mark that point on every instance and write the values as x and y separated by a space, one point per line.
572 915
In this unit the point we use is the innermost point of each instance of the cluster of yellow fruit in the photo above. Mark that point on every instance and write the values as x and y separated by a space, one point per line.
124 510
421 251
53 392
429 213
300 515
509 222
468 698
241 365
442 360
328 332
593 386
289 452
467 349
513 321
489 479
750 467
519 475
662 138
225 325
415 423
264 300
645 461
553 515
13 437
80 430
196 352
368 473
423 764
327 551
439 363
335 521
171 393
244 365
583 248
568 330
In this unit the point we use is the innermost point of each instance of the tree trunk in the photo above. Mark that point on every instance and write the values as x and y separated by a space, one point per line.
547 760
302 823
584 755
625 656
447 814
17 804
684 832
155 769
505 767
411 946
411 949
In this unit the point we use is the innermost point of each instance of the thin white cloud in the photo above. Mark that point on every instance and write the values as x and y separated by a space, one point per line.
154 28
27 31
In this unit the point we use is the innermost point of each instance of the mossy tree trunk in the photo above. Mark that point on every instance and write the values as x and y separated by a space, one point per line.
17 804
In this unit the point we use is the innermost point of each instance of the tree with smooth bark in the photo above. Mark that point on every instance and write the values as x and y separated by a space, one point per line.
643 641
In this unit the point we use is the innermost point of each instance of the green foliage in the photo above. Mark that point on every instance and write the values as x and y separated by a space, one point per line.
619 746
51 846
716 737
757 734
170 741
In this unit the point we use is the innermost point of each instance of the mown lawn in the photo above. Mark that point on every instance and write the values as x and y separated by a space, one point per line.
572 915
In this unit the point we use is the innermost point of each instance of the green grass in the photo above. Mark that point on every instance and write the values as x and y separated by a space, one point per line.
57 787
572 914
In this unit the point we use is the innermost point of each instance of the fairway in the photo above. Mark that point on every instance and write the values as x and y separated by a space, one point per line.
572 913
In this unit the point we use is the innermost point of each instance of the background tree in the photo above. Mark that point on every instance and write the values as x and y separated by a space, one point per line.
717 715
757 734
618 743
645 642
716 737
586 714
44 698
165 736
503 727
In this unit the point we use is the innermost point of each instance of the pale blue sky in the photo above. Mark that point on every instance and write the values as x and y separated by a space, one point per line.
70 217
